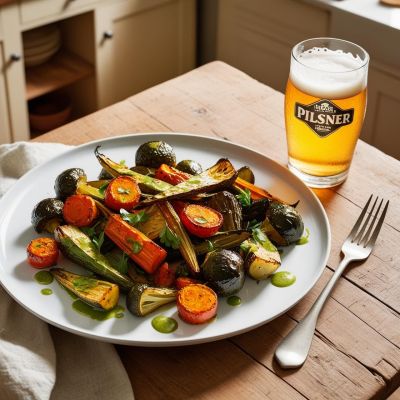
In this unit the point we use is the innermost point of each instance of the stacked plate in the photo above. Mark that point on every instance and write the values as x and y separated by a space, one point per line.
41 44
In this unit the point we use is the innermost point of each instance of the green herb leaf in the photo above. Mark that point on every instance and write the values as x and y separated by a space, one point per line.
122 264
123 191
103 187
253 225
136 246
90 230
259 236
200 220
210 245
244 197
122 162
98 240
170 238
133 218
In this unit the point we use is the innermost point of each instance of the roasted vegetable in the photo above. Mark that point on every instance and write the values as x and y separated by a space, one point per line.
151 225
223 271
227 204
95 189
122 192
146 183
201 221
190 167
79 248
66 182
96 293
261 260
80 210
171 175
142 299
256 211
141 169
256 192
182 281
197 303
153 154
184 244
42 252
138 246
104 175
47 215
219 176
246 174
222 240
164 276
286 221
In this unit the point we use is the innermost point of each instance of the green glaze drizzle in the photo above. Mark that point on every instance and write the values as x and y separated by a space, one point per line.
99 315
283 279
46 292
164 324
44 277
234 300
304 239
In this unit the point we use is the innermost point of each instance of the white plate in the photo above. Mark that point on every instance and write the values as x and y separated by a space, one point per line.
260 302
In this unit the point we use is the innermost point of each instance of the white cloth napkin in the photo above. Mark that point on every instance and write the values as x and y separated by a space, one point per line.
41 363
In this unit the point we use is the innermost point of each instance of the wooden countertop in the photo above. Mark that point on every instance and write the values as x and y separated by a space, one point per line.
356 350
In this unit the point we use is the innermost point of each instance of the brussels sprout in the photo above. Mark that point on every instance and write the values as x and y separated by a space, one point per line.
190 167
66 182
47 215
153 154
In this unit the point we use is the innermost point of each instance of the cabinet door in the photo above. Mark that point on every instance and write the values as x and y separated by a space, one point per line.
5 133
152 41
382 120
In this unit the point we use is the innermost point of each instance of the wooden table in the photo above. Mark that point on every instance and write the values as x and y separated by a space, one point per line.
356 350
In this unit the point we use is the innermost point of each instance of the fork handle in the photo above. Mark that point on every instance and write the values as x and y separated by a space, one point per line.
292 351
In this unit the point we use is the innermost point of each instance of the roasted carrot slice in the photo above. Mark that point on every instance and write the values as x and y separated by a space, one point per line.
80 210
122 192
197 303
147 254
201 221
42 252
171 175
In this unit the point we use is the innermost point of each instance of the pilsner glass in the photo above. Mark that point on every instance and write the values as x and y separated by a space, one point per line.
325 104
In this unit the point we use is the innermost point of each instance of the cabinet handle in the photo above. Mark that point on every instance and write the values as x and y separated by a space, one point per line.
108 35
15 57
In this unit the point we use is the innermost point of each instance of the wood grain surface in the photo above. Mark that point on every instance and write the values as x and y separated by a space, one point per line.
356 350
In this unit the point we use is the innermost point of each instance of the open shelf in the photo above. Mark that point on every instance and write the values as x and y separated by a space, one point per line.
62 70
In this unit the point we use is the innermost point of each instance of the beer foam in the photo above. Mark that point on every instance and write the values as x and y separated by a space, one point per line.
326 73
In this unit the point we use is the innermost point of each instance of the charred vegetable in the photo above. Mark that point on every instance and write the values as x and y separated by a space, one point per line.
142 299
79 248
140 169
246 174
256 211
171 175
197 303
222 240
184 244
190 167
219 176
146 183
227 204
261 260
224 271
153 154
96 293
256 192
66 182
104 175
286 221
47 215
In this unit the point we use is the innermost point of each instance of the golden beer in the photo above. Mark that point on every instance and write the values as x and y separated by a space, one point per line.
325 104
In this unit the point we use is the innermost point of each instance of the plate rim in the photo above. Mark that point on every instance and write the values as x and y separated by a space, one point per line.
165 342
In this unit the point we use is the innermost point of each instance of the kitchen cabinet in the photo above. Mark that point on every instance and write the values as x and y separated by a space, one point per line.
111 49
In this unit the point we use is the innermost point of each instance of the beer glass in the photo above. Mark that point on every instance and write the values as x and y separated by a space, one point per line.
325 102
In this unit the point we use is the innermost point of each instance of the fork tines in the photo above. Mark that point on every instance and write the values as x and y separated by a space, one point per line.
367 234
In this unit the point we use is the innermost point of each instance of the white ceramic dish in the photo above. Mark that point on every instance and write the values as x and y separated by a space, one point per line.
260 302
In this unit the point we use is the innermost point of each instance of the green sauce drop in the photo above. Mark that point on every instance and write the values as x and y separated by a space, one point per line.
234 300
46 292
164 324
283 279
99 315
44 277
304 239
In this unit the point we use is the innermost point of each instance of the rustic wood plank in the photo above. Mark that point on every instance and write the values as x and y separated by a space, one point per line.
220 101
217 371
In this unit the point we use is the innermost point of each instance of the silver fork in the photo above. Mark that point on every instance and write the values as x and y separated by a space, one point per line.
294 348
